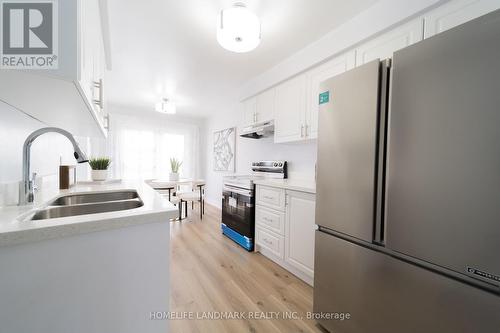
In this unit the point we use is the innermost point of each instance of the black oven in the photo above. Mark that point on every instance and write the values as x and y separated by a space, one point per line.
238 215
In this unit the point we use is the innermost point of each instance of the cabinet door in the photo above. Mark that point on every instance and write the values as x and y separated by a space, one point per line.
271 197
249 111
265 105
384 46
290 110
86 56
455 13
314 78
299 231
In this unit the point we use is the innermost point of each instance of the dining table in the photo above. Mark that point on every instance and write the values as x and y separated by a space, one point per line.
173 187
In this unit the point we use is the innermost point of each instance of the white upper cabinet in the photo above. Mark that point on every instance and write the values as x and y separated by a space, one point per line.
72 96
259 108
249 111
290 111
92 67
299 231
317 75
455 13
294 104
265 105
385 45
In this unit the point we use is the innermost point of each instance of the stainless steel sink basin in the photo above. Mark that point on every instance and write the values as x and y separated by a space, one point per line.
83 209
89 203
86 198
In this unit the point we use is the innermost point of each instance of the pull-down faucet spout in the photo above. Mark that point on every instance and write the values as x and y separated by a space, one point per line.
26 190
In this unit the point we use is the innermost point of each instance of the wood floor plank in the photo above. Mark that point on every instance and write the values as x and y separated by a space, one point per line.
211 275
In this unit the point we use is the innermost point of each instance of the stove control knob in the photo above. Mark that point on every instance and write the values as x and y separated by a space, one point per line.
280 164
275 164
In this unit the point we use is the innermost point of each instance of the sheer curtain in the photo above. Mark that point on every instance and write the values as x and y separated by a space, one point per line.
141 148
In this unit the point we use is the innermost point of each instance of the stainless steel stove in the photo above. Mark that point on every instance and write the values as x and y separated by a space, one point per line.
238 201
260 170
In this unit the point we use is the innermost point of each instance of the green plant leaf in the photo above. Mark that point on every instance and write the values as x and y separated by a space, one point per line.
100 163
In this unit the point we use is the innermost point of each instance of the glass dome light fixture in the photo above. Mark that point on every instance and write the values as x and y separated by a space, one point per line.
238 29
166 106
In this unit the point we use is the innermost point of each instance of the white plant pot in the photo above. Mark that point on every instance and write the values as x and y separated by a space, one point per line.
99 175
174 176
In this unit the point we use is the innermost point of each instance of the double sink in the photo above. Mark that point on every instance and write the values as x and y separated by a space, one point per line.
89 203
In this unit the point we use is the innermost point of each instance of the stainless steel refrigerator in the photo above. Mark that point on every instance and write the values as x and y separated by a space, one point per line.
408 189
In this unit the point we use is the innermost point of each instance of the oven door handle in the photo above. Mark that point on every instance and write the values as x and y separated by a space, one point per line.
246 193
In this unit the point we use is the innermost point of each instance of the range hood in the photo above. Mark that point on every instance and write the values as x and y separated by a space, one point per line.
258 130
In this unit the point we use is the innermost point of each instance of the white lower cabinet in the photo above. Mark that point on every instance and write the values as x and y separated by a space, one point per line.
299 231
270 241
285 233
270 219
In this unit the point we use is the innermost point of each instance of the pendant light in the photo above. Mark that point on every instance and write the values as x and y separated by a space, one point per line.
238 29
166 106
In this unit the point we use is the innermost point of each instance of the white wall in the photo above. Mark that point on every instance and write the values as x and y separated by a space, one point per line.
46 152
301 157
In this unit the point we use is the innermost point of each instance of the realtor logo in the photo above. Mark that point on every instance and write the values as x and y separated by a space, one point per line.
29 34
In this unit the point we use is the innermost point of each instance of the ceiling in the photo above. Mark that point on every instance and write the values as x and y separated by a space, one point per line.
168 48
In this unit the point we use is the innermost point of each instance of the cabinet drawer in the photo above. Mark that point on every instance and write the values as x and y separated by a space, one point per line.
269 241
270 219
271 197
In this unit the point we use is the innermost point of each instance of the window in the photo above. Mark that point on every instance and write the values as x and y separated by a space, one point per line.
142 149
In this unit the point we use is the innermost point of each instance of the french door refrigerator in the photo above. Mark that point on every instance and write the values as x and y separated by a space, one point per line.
408 189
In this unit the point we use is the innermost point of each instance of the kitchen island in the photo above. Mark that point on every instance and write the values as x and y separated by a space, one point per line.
102 272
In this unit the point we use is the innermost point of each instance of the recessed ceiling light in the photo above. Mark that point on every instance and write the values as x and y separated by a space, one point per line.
238 29
166 106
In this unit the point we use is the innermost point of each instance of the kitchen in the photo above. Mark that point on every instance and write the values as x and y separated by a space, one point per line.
303 237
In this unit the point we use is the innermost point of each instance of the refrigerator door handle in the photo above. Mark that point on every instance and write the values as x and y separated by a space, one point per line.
379 230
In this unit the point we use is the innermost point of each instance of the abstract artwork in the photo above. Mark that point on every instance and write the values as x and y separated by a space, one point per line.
224 145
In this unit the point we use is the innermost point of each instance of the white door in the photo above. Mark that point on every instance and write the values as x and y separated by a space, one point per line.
384 46
249 110
290 110
265 105
314 78
455 13
299 231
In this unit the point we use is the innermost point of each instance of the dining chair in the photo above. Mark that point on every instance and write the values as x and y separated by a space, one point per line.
196 193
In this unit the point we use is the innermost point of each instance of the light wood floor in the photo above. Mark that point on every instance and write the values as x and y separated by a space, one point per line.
211 273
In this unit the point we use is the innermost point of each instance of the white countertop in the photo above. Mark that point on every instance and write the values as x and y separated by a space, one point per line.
289 184
15 229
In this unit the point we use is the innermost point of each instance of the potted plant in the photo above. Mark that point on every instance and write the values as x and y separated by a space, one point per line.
175 165
99 166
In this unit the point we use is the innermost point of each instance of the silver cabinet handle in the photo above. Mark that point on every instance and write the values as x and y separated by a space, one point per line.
99 102
306 131
302 131
268 197
267 219
106 122
267 241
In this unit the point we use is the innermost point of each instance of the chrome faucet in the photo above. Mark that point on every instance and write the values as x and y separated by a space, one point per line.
27 186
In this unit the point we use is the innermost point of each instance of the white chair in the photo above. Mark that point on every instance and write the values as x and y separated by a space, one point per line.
194 193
